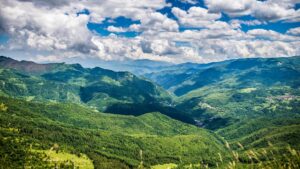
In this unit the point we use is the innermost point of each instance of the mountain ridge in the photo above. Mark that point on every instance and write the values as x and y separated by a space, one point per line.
102 89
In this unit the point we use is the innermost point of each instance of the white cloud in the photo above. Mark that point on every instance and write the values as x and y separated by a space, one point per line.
40 28
135 28
159 47
294 31
230 7
158 22
189 1
215 45
116 29
236 23
269 10
195 17
134 9
271 35
151 23
54 28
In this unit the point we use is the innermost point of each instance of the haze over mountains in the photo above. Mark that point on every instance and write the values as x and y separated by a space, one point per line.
176 115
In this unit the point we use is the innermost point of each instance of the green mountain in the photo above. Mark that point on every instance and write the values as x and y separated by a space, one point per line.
45 106
246 111
231 89
253 102
104 90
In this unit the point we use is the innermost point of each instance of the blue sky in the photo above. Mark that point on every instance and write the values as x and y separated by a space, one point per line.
101 28
163 30
120 21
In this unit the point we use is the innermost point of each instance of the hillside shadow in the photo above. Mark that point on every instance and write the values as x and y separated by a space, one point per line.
142 108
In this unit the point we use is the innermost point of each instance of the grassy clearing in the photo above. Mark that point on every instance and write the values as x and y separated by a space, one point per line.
164 166
248 90
58 158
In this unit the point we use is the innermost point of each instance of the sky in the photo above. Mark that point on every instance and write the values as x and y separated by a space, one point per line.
174 31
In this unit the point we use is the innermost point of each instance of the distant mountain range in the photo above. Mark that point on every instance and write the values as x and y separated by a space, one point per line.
184 78
205 90
137 67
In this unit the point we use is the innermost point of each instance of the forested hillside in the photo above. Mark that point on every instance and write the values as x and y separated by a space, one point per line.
101 89
110 141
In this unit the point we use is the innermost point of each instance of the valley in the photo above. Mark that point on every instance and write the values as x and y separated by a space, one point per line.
242 113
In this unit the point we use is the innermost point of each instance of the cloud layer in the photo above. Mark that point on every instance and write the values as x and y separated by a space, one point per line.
58 29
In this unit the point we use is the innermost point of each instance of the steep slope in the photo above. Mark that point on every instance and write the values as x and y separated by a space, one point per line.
243 88
247 101
233 85
105 90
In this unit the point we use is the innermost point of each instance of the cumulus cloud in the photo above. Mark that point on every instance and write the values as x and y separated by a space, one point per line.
158 22
59 29
52 3
133 9
271 35
216 45
40 28
116 29
195 17
294 31
269 10
230 7
159 47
